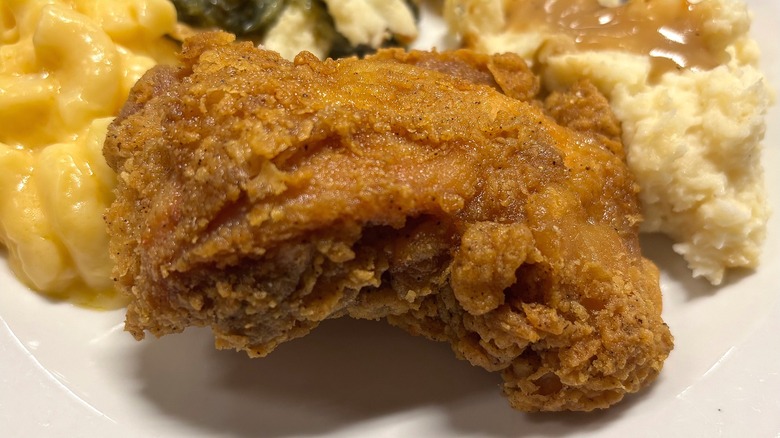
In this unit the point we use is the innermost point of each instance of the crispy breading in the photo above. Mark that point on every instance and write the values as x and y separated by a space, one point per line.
260 197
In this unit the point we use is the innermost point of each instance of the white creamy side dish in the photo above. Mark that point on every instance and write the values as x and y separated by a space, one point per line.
683 78
362 23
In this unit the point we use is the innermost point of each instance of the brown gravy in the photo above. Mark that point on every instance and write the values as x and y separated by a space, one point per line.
667 31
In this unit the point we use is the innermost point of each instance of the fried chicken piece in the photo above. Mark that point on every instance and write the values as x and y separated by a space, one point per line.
260 197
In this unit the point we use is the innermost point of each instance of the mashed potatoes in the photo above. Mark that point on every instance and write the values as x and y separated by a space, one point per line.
65 68
692 120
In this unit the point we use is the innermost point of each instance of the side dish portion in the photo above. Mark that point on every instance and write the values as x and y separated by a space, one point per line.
64 68
428 189
683 79
327 28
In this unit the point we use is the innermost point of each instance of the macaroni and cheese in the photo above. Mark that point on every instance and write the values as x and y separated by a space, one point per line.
66 68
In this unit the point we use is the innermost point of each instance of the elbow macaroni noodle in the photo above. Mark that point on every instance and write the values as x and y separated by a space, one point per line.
66 67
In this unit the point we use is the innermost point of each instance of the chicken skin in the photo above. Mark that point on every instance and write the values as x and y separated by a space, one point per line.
435 191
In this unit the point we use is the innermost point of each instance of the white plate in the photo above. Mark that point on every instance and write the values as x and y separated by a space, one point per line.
69 372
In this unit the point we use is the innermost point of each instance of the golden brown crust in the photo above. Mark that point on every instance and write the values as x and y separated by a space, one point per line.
260 197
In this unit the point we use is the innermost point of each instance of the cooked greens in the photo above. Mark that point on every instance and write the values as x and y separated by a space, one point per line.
257 19
241 17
